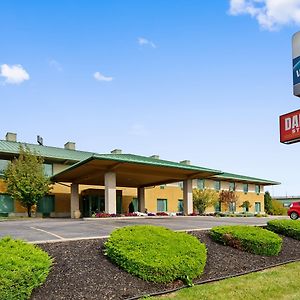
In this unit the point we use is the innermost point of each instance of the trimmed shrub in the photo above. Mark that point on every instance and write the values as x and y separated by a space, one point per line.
248 238
289 228
23 267
156 253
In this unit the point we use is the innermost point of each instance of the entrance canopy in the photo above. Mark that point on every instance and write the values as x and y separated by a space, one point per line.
131 171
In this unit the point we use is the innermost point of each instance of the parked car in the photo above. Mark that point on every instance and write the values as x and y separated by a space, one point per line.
294 210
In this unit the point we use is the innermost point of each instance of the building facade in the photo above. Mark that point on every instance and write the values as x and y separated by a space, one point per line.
127 183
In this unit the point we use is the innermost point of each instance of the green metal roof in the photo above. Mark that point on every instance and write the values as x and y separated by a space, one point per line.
242 178
138 159
80 157
45 151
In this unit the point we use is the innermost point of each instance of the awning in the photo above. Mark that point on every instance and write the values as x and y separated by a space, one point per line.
131 171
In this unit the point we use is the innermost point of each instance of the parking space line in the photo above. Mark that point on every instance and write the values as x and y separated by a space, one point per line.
57 236
70 239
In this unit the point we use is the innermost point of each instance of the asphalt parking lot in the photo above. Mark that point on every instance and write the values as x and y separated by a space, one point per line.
42 230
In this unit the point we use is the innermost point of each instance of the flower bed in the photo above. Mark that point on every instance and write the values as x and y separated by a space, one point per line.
162 213
131 215
156 253
22 268
289 228
248 238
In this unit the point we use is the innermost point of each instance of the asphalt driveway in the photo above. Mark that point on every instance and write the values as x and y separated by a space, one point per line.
41 230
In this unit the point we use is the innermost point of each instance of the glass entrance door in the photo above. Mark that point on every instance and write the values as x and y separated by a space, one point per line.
92 204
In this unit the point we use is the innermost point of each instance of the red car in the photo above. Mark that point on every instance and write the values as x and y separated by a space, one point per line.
294 210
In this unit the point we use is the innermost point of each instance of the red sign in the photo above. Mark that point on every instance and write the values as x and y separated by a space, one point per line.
290 127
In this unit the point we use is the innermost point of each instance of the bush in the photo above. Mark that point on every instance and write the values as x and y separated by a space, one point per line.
277 209
289 228
23 267
247 238
156 253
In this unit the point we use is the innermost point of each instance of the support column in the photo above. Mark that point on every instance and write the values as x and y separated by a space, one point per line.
110 193
188 196
141 199
75 212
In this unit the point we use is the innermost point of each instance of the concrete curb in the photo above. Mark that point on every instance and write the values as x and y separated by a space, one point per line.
107 236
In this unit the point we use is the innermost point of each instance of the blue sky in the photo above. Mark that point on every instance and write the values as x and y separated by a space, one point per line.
198 80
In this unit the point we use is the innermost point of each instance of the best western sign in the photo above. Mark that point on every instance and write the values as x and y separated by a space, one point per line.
290 127
296 63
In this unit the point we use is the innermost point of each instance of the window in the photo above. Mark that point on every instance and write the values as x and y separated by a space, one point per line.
48 170
180 184
180 205
257 207
6 203
257 189
245 188
217 185
231 186
162 186
3 165
201 184
232 206
162 205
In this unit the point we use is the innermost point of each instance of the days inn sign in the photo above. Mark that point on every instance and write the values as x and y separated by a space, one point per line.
290 127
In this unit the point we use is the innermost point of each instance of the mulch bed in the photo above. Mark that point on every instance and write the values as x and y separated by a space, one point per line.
81 271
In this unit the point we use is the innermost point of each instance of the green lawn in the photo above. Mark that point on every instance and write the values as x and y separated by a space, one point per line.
276 283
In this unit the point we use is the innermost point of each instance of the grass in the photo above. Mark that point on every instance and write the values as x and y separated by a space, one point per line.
280 283
22 268
156 253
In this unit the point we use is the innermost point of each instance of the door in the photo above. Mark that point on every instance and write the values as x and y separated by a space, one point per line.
85 206
135 204
180 205
119 204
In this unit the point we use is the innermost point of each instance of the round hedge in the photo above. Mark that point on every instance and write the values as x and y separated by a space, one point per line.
23 267
255 240
289 228
156 253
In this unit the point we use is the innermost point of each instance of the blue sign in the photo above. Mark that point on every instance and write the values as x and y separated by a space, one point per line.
296 70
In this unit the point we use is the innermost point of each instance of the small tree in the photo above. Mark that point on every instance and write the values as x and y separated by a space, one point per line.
228 197
25 179
204 198
268 203
246 205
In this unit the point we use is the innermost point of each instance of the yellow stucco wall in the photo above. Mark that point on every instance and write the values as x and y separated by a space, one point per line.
171 193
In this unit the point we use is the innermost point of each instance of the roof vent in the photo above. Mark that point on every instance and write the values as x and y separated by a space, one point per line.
155 156
11 137
185 162
70 146
116 151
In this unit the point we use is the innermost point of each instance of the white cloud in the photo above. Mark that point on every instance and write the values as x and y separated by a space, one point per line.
144 42
14 74
100 77
55 64
270 14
